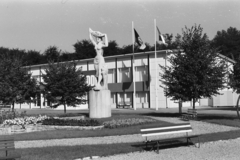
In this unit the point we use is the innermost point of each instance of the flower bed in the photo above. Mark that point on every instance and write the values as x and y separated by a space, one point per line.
24 121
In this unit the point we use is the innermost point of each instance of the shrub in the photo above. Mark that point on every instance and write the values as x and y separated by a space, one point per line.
70 122
127 122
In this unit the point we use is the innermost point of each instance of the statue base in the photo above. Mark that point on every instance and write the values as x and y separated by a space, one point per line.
99 104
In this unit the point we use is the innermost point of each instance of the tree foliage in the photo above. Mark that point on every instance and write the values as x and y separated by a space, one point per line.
228 42
64 84
16 84
52 53
234 81
84 49
196 72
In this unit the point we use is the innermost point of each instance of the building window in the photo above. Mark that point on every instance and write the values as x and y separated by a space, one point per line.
125 97
141 73
124 75
111 75
113 98
141 97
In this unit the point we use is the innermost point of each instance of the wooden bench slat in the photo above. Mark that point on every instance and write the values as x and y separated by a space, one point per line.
7 138
164 128
7 149
162 133
169 125
2 143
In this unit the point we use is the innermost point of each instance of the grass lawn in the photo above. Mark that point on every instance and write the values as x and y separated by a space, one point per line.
74 152
75 133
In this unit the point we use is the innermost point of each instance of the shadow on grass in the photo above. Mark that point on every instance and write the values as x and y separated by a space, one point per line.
162 145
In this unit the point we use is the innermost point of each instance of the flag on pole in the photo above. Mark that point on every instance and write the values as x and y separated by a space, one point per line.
161 38
139 41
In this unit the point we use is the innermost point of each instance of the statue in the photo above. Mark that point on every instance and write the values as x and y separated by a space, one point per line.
99 62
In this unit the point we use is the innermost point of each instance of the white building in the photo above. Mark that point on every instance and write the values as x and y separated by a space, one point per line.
149 94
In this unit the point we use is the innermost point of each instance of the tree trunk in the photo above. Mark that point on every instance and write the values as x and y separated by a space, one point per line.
13 110
193 103
65 108
237 107
13 106
180 107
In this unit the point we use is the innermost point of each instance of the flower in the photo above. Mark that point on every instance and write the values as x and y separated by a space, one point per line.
24 121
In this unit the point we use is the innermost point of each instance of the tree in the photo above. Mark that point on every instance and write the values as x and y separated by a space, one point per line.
234 81
52 53
64 84
112 49
228 42
33 58
16 84
84 49
195 73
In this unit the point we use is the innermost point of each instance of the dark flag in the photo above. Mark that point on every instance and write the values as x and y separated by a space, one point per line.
139 41
161 38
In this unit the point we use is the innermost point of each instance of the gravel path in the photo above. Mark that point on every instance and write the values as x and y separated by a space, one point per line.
198 128
220 150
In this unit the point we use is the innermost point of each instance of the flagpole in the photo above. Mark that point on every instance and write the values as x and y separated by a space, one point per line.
156 86
133 70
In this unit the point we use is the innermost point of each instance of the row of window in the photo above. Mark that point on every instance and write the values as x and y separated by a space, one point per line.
125 74
141 97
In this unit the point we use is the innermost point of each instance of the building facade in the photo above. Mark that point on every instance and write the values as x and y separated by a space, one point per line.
148 93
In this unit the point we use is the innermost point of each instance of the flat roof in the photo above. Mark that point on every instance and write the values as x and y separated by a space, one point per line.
131 54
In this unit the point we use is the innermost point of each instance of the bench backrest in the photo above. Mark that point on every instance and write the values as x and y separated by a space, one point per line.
7 143
169 129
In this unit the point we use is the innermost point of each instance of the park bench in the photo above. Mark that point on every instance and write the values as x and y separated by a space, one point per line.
167 130
124 104
6 145
191 114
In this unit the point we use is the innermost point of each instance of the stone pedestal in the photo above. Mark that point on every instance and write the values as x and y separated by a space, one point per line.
100 104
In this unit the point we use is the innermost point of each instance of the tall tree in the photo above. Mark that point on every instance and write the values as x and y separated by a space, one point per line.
234 81
52 53
33 58
112 49
64 84
84 49
228 42
16 84
195 73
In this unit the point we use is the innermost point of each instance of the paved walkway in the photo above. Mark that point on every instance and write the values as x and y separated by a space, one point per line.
220 150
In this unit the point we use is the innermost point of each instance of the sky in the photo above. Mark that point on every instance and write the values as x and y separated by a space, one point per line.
38 24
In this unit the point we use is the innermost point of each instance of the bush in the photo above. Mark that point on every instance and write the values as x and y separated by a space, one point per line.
70 122
127 122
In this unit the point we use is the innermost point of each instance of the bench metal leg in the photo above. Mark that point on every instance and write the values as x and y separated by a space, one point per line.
157 147
188 138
